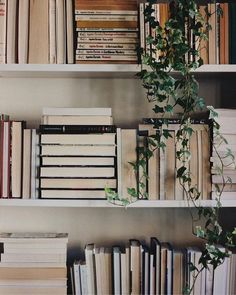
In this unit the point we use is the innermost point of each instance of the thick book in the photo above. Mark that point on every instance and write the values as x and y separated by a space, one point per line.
135 267
73 194
61 31
50 111
38 32
33 237
74 129
3 30
77 120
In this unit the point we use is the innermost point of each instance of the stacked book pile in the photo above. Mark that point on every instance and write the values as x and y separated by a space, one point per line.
161 169
36 31
224 153
33 263
154 269
18 159
78 153
107 32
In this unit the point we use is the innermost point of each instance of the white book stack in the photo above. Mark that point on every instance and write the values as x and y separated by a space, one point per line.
78 153
33 263
224 153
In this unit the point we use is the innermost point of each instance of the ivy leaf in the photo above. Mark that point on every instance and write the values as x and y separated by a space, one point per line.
180 171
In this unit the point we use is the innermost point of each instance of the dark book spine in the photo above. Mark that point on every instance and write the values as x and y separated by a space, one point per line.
158 122
76 129
232 33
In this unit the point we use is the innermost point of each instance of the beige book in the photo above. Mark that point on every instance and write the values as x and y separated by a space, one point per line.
212 34
34 283
78 161
69 32
90 263
52 32
77 183
3 30
11 31
32 264
193 165
170 167
204 44
26 164
16 158
178 280
99 139
206 174
23 31
16 290
77 171
35 257
73 194
12 273
47 111
38 32
125 271
78 120
135 267
98 266
128 154
78 150
60 31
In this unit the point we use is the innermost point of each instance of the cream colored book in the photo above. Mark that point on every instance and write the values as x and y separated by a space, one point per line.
73 194
23 31
11 31
3 31
78 161
39 32
60 31
26 164
52 32
78 120
69 32
29 290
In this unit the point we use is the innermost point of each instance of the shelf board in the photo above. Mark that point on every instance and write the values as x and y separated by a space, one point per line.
90 70
105 204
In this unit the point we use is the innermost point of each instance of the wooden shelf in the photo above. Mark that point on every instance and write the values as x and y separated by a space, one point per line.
105 204
90 70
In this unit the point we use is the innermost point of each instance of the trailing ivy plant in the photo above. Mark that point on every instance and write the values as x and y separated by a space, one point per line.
175 47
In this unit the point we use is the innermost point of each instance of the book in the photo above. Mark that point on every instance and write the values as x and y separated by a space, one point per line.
90 263
26 174
105 46
105 57
35 257
78 150
75 129
77 161
5 162
33 237
155 250
52 32
69 32
77 183
48 111
16 158
125 271
11 31
82 139
38 32
29 290
77 172
116 262
108 24
72 194
77 120
23 31
106 51
3 30
135 266
60 31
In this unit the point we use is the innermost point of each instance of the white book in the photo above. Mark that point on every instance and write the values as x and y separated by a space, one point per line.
35 257
3 31
77 279
77 172
78 161
26 164
78 150
32 250
90 263
32 264
29 290
84 278
60 31
33 237
11 31
69 31
52 32
98 139
73 194
23 31
77 120
50 111
117 270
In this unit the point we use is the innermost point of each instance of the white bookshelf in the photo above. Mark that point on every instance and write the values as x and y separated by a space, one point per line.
106 204
90 70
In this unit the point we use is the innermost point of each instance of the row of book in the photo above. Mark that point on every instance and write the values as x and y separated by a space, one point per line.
106 31
78 152
218 48
154 269
223 156
33 263
36 32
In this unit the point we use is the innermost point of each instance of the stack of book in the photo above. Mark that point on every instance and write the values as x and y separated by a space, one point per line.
107 32
78 153
157 268
33 263
223 155
161 168
36 31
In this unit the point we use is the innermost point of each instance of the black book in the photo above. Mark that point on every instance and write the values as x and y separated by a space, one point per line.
76 129
158 122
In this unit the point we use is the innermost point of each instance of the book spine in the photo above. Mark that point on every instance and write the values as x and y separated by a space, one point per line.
103 17
60 31
101 29
106 40
96 57
106 51
69 32
23 31
3 26
52 31
106 46
107 24
70 129
104 11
